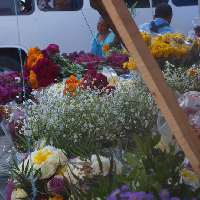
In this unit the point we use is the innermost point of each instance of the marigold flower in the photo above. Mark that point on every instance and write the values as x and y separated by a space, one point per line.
105 47
71 85
33 80
192 72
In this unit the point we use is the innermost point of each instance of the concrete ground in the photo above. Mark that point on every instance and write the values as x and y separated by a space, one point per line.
6 151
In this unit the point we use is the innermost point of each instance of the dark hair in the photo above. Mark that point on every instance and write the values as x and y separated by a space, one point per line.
163 10
105 21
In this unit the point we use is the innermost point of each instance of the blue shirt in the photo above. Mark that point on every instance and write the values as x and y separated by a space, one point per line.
97 47
158 21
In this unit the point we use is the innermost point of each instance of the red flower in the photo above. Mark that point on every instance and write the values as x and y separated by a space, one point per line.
94 79
53 71
53 48
46 72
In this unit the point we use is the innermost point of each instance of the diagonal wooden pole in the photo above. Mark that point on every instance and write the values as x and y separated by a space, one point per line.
155 81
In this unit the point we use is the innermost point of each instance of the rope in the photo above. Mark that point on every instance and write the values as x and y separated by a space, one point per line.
26 107
84 17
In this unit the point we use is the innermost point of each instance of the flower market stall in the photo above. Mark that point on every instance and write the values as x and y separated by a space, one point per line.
87 127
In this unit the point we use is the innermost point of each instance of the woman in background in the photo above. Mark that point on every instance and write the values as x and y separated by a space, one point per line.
104 36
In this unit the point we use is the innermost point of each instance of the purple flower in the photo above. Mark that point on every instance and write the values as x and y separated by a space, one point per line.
27 154
9 190
164 194
174 198
115 192
111 198
58 185
4 92
125 187
150 197
135 196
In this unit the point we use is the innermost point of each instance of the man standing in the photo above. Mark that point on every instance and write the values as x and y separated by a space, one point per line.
162 19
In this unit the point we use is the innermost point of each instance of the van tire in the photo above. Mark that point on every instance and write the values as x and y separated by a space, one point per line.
9 64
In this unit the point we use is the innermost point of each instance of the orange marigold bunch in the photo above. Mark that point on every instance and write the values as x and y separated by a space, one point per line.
105 47
34 54
33 80
192 72
71 85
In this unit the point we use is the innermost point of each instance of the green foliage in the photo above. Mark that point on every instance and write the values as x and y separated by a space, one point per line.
67 67
22 177
154 169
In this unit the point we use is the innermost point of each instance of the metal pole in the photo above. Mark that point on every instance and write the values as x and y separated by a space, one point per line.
151 6
199 7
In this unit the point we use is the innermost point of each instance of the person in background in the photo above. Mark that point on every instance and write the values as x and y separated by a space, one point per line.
104 36
162 19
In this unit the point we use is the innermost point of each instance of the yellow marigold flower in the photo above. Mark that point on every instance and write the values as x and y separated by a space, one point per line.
125 65
160 37
125 51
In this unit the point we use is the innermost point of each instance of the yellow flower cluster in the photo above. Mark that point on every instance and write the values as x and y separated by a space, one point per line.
146 36
41 157
190 174
130 64
159 48
34 56
172 44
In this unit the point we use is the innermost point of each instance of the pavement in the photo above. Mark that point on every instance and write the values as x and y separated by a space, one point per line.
6 150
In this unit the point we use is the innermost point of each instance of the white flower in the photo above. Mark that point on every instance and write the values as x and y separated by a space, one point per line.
18 194
117 167
96 167
47 170
17 79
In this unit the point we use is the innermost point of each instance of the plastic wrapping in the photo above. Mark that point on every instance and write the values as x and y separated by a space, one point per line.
190 103
111 75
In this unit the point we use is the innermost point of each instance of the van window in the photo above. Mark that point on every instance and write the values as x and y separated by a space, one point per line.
53 5
144 3
7 7
185 2
140 3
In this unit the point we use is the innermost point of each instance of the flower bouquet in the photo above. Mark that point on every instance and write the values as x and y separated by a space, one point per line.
47 66
11 88
176 48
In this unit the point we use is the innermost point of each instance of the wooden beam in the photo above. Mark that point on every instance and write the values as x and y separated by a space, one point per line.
155 81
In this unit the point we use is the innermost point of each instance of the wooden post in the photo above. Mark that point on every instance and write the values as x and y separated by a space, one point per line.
155 81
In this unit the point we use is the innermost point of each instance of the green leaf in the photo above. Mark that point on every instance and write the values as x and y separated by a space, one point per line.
134 172
138 142
132 160
156 140
144 176
157 186
147 147
98 193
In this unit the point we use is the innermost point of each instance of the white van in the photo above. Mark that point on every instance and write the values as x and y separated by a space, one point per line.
67 23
